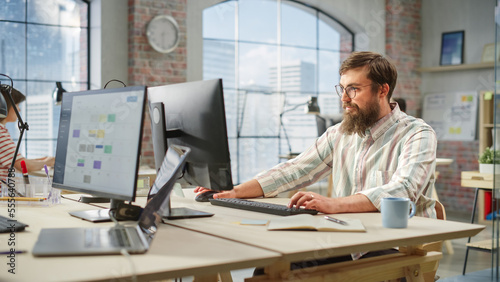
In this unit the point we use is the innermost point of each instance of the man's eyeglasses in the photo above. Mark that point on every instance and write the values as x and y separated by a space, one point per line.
350 90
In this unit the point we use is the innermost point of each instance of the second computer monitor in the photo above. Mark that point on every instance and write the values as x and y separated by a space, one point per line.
192 114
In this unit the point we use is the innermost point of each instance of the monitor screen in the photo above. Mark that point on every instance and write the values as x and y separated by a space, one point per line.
192 114
99 141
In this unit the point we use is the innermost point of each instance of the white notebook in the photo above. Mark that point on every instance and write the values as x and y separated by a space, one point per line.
310 222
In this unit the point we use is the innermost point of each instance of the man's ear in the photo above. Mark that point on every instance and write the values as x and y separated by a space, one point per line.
384 90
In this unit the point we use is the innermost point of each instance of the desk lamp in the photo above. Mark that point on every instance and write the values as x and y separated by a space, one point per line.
20 123
58 93
312 107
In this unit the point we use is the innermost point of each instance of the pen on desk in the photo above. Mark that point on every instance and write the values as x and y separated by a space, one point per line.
14 252
23 199
335 220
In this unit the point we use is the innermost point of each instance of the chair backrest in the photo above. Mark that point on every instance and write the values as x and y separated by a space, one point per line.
435 246
440 212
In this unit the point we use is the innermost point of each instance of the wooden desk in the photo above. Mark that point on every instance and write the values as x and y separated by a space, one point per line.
301 245
481 182
175 252
206 246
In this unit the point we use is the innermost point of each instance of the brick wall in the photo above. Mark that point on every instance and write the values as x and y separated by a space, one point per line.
465 153
151 68
403 46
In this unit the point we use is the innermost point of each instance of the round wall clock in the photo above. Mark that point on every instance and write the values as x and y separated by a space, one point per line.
163 33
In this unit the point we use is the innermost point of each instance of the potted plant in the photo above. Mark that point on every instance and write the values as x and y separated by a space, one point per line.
489 161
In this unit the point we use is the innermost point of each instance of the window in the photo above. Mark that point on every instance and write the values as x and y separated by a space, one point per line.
272 56
43 41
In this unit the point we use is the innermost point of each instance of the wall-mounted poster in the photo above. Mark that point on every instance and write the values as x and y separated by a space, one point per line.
452 115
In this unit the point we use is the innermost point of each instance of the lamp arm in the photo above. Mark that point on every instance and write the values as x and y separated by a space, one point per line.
291 109
22 127
283 126
20 123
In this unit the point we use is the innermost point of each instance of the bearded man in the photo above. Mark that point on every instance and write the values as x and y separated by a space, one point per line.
377 151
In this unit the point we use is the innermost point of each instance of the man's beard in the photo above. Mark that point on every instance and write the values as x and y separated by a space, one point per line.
359 121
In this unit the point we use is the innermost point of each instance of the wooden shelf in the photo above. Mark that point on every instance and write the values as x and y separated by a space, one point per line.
485 65
485 245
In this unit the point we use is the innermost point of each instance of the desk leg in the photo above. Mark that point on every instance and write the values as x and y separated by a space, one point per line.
278 270
471 221
206 278
387 267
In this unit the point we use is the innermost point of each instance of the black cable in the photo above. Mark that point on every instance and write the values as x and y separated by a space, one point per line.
105 85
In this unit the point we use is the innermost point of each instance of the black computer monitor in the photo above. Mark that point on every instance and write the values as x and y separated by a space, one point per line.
323 122
99 144
192 114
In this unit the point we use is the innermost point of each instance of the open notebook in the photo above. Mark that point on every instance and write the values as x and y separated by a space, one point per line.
311 222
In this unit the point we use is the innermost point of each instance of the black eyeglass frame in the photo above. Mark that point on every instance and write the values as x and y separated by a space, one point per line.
348 90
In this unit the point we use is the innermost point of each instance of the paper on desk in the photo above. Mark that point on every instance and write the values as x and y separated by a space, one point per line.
253 222
310 222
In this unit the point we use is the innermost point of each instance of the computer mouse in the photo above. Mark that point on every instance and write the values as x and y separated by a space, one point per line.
205 196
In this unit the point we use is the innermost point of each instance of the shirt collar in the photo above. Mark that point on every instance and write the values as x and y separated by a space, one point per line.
382 125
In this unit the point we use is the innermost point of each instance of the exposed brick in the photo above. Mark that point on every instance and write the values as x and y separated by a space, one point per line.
145 65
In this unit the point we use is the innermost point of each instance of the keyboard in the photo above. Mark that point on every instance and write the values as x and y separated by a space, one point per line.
8 225
259 206
120 236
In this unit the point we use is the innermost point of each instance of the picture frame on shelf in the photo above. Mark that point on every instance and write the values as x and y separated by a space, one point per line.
489 53
452 48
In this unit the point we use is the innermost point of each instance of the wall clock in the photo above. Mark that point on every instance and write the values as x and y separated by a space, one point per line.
163 33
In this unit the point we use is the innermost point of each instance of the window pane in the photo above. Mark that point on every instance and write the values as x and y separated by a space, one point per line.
218 21
330 104
329 64
260 114
233 154
333 36
63 12
298 25
40 148
297 122
54 53
13 10
257 20
298 70
256 155
255 63
231 106
12 58
218 61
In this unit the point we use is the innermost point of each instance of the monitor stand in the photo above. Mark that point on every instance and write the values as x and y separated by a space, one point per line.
127 211
181 213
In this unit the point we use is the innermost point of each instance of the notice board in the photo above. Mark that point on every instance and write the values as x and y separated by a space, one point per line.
452 115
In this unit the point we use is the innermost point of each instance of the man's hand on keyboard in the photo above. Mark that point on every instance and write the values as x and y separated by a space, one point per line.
309 200
314 201
222 194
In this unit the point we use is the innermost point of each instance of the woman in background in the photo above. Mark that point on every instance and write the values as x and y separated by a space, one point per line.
7 146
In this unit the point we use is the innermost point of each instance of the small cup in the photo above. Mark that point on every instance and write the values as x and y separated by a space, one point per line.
396 212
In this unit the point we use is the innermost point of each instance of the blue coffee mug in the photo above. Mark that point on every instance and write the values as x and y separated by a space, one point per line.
396 212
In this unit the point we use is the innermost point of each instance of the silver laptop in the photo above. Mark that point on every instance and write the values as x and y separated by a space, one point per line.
111 240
